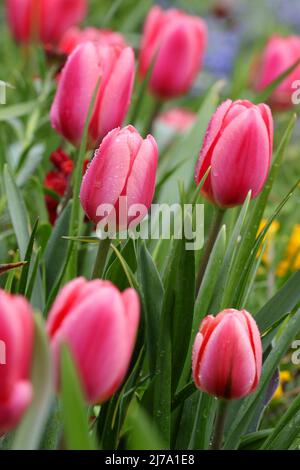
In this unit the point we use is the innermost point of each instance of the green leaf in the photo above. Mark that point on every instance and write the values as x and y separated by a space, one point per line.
283 302
183 309
286 430
205 295
115 271
162 385
207 289
142 435
152 293
56 251
265 94
229 258
20 222
28 255
92 240
204 421
33 275
127 270
253 440
248 408
29 432
189 145
113 10
16 110
244 282
240 267
17 211
75 416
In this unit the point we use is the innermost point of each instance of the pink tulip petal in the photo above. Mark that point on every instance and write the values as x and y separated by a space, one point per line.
132 312
243 146
164 81
256 344
141 182
57 16
107 174
267 117
99 346
211 136
12 410
196 358
228 367
79 77
16 332
66 298
116 95
151 36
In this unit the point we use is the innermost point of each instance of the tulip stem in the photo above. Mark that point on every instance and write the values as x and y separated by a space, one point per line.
209 246
100 262
152 116
219 426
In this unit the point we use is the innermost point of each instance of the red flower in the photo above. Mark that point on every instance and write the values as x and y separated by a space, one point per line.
57 180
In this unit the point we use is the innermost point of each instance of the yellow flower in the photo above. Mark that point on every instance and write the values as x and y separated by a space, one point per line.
291 260
284 376
279 393
268 238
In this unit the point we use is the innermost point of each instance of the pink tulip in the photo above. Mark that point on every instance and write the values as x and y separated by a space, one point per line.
44 20
175 42
16 344
99 325
280 53
178 119
125 165
74 36
227 355
85 66
238 148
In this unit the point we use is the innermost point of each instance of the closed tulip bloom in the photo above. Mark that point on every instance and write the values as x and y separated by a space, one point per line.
178 119
125 165
238 148
99 324
16 345
75 36
175 42
280 53
43 20
88 63
227 355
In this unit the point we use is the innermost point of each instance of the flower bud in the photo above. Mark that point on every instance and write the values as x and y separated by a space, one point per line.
88 63
227 355
175 42
99 324
124 166
238 148
43 20
16 346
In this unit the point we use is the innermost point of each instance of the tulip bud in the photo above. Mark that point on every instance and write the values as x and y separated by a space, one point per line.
76 87
74 36
99 325
279 54
176 42
16 345
177 119
227 355
125 165
238 148
43 20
